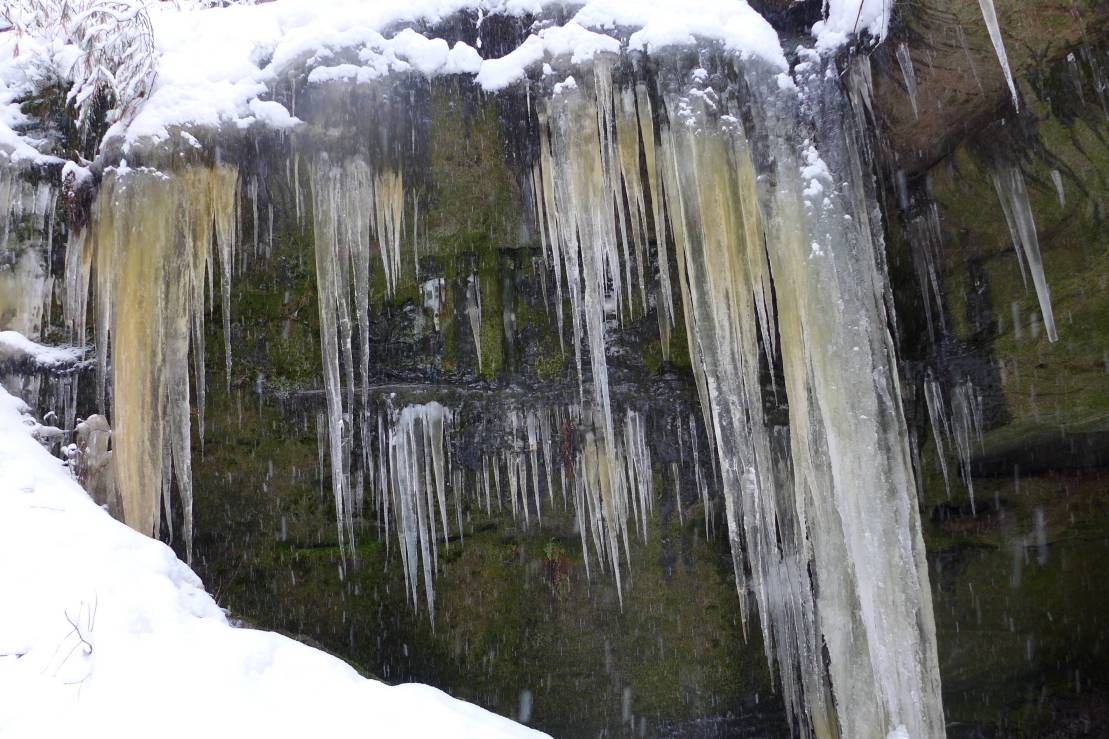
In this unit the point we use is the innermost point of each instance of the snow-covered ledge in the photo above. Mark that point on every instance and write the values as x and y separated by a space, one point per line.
104 632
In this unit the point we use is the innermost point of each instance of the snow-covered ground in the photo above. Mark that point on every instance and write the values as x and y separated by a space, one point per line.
105 633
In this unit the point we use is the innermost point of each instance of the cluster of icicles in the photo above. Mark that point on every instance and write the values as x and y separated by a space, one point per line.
960 428
779 264
25 283
419 495
789 275
151 246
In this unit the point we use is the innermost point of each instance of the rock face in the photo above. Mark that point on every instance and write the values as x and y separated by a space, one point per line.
524 621
1013 530
959 84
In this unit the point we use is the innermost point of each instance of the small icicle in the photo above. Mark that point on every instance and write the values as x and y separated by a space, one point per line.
473 312
989 14
941 429
1009 182
906 63
414 484
961 34
966 429
1057 179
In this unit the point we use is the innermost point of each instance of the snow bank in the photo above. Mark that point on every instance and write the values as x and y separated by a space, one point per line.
216 64
17 348
846 18
104 632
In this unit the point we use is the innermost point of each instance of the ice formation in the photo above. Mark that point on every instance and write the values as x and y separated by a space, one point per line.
1057 180
927 253
25 282
417 484
906 63
356 210
473 312
941 427
1009 182
152 245
26 252
413 458
966 428
814 238
989 15
958 423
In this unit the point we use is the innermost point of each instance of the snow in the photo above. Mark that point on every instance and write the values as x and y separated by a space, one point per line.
216 65
665 23
463 59
272 114
104 632
846 18
20 71
572 40
14 346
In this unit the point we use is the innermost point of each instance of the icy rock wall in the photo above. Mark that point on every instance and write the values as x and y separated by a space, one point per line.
25 283
26 252
840 494
758 191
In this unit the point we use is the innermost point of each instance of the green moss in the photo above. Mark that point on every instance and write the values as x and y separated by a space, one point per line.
492 336
274 314
1045 383
550 364
473 205
679 349
1014 585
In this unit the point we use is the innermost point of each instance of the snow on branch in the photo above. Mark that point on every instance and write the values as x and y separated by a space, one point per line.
116 60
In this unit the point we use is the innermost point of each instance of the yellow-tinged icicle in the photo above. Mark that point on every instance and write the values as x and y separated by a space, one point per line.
150 246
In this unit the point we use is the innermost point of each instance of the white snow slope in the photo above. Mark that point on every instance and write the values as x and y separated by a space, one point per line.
105 633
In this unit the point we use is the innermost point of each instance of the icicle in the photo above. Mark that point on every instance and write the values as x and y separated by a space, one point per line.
851 465
414 485
26 242
473 312
355 210
836 353
1057 179
989 15
545 445
927 253
1009 182
961 34
966 429
533 458
909 74
432 292
941 429
332 254
151 242
676 482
